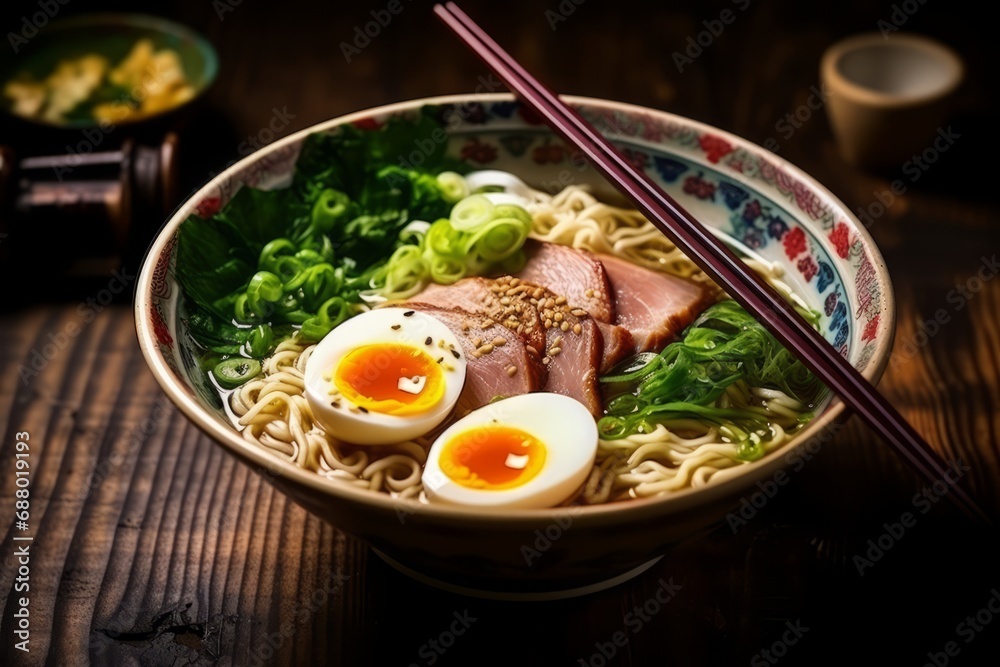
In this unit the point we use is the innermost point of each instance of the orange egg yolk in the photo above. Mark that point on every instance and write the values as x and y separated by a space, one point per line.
492 457
370 377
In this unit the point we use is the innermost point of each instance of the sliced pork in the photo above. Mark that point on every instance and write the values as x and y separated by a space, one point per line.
618 344
485 296
499 363
653 306
575 274
573 347
573 362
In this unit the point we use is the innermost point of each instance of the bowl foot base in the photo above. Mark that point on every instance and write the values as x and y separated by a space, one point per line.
515 596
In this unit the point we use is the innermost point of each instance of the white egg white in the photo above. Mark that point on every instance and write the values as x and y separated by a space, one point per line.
349 424
565 427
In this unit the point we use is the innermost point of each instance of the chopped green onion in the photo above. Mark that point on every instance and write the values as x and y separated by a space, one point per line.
264 288
404 274
472 213
328 209
414 233
286 267
270 253
475 264
453 186
310 257
514 211
317 283
321 246
480 238
498 239
443 239
296 316
231 373
330 314
208 361
240 310
260 342
446 270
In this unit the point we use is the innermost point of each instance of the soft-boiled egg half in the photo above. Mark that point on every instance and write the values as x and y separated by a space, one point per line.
385 376
528 451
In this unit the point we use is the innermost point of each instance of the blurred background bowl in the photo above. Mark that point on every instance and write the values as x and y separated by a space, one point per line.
112 36
888 95
741 191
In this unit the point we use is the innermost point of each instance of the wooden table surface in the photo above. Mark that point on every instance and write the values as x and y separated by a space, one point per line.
154 547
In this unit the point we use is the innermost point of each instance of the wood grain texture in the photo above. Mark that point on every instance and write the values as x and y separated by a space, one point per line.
153 547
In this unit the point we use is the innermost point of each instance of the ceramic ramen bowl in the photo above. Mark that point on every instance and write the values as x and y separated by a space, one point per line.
748 195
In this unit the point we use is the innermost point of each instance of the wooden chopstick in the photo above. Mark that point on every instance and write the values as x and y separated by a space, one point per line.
715 259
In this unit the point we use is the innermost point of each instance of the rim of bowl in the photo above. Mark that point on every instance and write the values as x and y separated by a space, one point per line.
674 502
839 84
150 23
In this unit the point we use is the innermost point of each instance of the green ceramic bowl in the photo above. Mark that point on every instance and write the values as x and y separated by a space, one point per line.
111 36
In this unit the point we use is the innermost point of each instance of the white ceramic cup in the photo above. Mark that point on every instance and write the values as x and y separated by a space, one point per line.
888 96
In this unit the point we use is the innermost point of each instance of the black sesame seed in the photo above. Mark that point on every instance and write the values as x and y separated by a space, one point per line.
455 354
408 313
363 409
395 327
428 341
440 359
